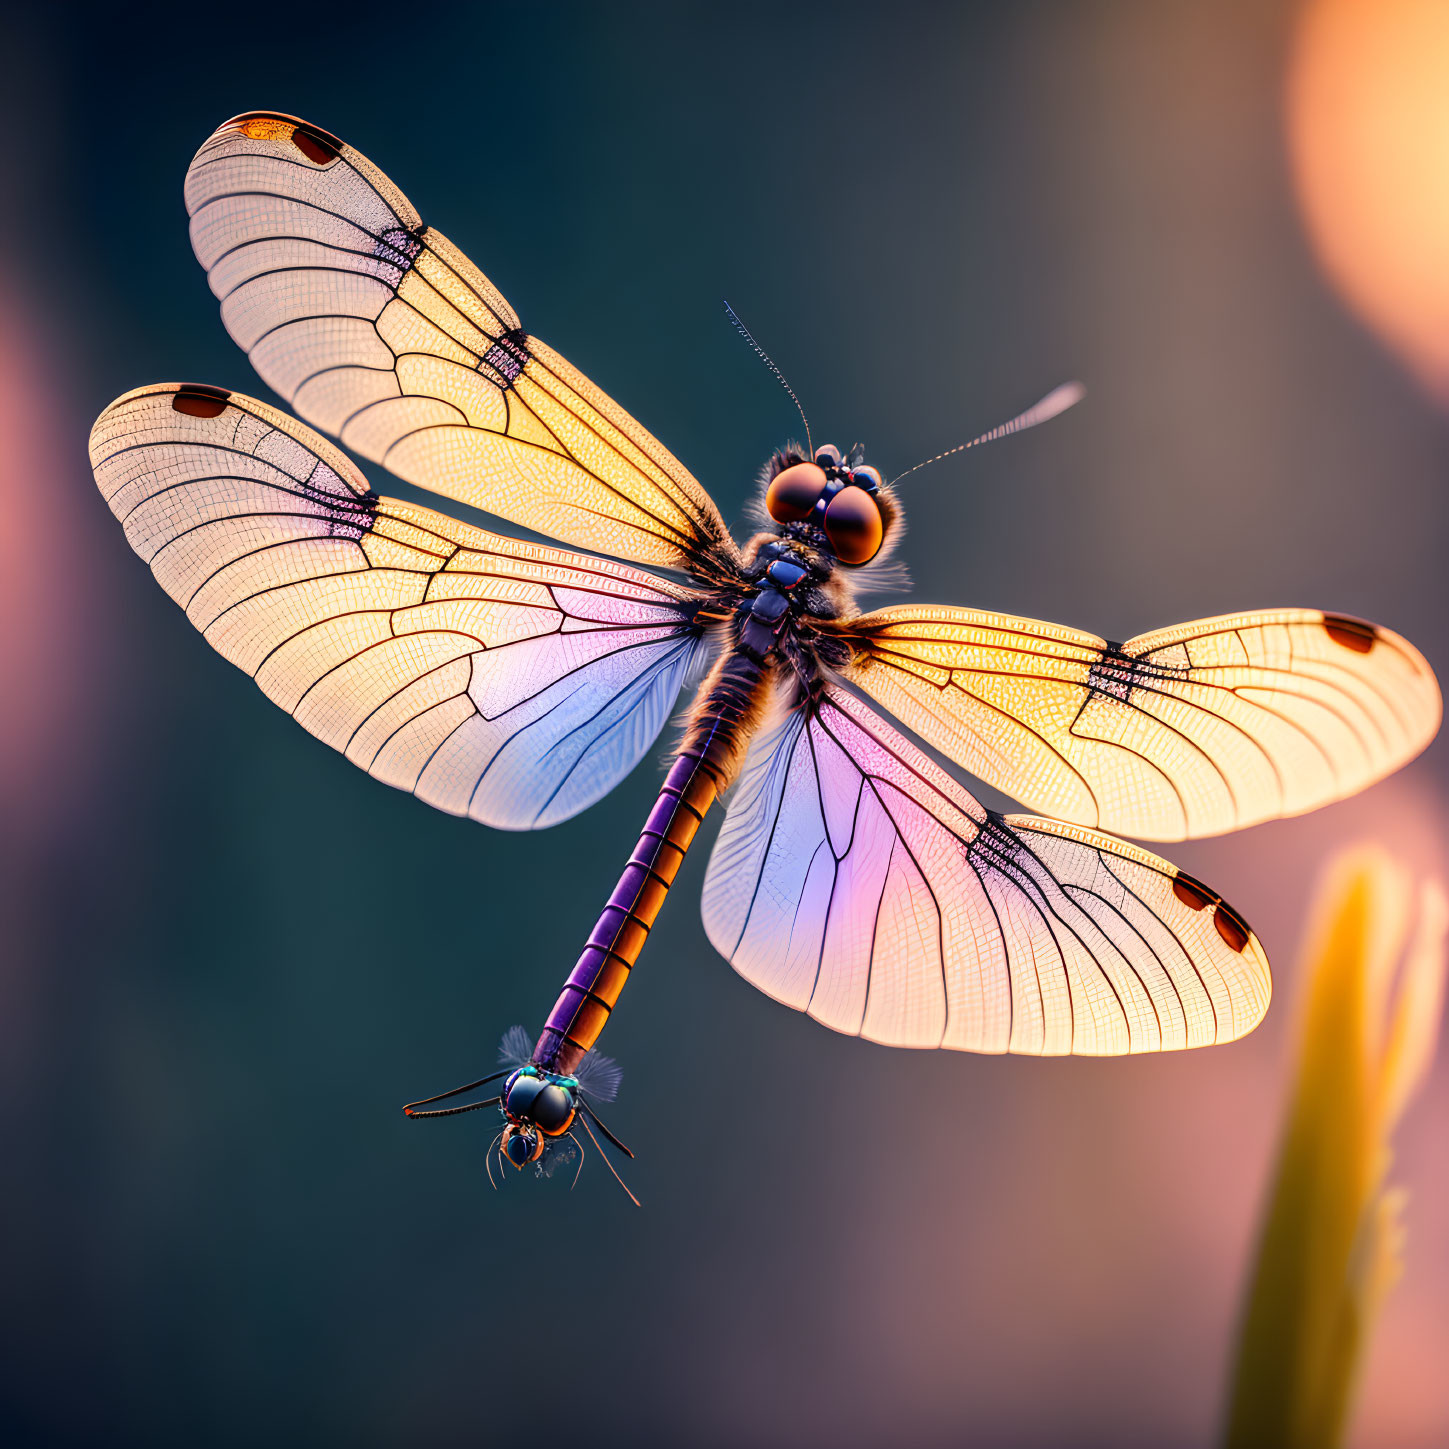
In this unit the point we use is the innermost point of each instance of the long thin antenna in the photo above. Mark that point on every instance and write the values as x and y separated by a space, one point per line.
765 358
453 1111
609 1164
456 1092
488 1160
580 1167
1057 401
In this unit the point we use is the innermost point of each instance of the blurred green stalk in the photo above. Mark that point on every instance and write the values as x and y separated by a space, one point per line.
1332 1241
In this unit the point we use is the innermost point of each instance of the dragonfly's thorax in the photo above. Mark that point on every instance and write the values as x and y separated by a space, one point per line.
785 583
791 588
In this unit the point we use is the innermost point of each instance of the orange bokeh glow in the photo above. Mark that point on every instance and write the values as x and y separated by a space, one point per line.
1368 135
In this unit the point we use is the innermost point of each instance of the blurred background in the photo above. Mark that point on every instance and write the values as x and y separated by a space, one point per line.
228 956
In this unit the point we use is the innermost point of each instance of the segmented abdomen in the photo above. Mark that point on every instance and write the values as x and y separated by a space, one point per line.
705 764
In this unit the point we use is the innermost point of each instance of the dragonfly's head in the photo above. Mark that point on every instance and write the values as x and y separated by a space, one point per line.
538 1105
840 497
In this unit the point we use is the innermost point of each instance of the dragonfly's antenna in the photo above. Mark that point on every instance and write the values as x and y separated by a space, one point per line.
765 358
488 1160
454 1111
456 1092
605 1155
597 1123
1057 401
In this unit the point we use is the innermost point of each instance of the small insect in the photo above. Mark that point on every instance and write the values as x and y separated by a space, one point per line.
539 1108
517 684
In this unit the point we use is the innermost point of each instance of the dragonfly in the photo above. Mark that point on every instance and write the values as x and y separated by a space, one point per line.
854 878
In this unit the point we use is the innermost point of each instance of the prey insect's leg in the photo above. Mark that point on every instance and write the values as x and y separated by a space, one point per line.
609 1164
580 1146
593 1116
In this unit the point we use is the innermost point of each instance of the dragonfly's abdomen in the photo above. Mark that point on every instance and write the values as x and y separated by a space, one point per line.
704 766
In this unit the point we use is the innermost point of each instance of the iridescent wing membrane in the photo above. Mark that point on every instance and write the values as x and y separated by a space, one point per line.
1185 732
378 330
493 678
855 880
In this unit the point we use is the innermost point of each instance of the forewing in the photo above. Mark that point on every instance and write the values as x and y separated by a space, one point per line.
1186 732
502 680
378 330
855 880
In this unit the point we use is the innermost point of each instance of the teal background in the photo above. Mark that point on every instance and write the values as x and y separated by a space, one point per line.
229 956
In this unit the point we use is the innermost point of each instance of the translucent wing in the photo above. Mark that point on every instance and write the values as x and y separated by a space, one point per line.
516 1048
502 680
855 880
600 1077
1186 732
377 329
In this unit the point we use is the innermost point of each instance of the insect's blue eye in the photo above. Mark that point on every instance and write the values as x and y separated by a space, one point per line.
866 477
828 455
552 1108
522 1096
519 1148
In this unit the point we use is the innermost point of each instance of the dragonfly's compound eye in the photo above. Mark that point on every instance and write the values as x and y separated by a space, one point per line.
854 526
828 455
794 492
523 1092
553 1109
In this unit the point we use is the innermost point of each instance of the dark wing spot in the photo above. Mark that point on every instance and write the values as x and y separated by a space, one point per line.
1113 673
996 846
1117 674
1351 633
1231 926
348 516
399 247
508 357
1196 896
318 147
199 401
1192 892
